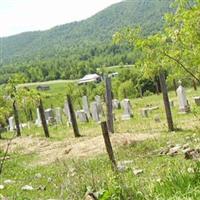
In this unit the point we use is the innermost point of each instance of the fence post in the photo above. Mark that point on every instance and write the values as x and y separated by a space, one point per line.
108 145
16 116
43 119
73 117
109 105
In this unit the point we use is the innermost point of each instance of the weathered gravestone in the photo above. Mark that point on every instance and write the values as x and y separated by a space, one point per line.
126 105
182 99
38 121
99 105
12 124
86 106
67 113
58 115
116 104
49 115
197 100
94 111
82 116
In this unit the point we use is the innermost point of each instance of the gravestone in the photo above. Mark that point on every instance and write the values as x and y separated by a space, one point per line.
182 99
11 122
82 116
86 106
126 105
99 104
197 100
58 115
144 112
67 113
116 104
49 115
94 111
38 121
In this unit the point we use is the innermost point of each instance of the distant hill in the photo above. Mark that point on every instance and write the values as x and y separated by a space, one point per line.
75 38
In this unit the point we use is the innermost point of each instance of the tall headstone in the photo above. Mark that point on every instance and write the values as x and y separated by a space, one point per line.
58 115
116 104
86 106
94 111
38 121
12 125
82 116
99 104
67 113
182 99
127 114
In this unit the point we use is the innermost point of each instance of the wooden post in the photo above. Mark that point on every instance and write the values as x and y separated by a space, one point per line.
194 84
43 119
166 101
108 145
16 116
73 117
175 86
109 105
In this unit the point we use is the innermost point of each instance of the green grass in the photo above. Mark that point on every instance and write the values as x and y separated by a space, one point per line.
163 177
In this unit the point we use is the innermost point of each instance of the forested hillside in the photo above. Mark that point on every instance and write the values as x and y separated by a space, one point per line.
71 50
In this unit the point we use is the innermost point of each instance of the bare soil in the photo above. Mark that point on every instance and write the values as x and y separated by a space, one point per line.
50 151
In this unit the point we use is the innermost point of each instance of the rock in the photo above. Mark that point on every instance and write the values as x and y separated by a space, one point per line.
90 196
42 187
186 150
2 187
137 171
173 151
123 165
49 180
190 170
38 175
27 188
9 181
192 154
186 146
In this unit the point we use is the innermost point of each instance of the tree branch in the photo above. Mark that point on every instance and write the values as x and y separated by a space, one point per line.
181 64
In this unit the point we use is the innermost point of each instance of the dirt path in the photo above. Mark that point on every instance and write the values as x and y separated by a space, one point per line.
50 151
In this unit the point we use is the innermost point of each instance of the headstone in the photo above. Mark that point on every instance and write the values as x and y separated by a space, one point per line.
127 109
99 105
11 121
49 116
182 99
66 111
38 121
86 106
197 100
144 112
82 116
58 115
116 104
94 111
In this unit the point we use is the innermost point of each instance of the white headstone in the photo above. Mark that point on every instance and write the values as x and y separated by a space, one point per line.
82 116
99 105
94 111
86 106
182 99
116 104
126 104
66 111
11 121
58 115
38 120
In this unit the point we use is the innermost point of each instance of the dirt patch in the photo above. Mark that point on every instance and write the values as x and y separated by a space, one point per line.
50 151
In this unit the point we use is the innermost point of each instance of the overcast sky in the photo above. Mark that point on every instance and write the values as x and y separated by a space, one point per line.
18 16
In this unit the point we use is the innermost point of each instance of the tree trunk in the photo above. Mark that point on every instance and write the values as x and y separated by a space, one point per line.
166 101
16 116
43 119
73 117
109 105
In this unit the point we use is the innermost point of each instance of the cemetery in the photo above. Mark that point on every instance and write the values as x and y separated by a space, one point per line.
103 111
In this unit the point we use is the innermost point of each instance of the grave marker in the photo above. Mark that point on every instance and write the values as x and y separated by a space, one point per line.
127 109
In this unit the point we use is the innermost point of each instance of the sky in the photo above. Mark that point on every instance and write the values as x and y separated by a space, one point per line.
18 16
